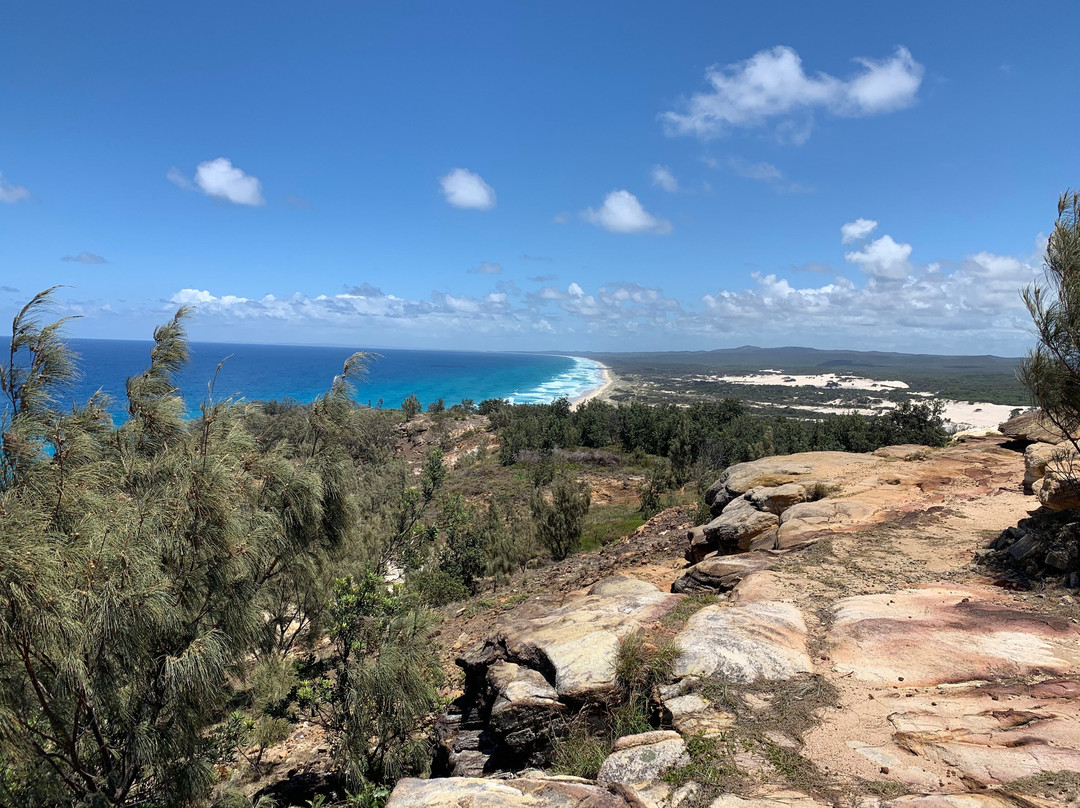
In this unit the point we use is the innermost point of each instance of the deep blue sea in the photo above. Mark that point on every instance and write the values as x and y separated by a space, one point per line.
263 372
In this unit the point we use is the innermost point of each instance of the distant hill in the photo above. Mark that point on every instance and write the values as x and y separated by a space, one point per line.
751 357
964 378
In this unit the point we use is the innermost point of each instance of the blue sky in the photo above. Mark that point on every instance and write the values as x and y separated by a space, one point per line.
538 176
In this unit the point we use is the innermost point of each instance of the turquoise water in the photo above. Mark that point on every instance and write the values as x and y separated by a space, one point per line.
263 372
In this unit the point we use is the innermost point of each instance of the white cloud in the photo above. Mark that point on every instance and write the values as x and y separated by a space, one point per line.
663 178
486 268
85 258
856 230
11 193
464 189
883 258
221 179
772 84
622 213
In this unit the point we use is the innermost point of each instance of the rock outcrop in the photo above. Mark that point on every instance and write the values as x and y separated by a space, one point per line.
882 659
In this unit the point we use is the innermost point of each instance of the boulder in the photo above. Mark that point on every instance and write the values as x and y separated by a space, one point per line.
639 762
574 644
937 635
1032 426
803 524
1060 489
738 526
722 573
1036 456
744 643
525 792
524 705
778 498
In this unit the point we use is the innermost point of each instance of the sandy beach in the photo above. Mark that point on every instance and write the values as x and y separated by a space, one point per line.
596 392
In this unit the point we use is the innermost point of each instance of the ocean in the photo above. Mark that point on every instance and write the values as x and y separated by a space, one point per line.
301 373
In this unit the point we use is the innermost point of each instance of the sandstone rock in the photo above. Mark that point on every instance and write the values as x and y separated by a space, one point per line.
526 792
993 746
744 643
903 451
574 645
802 524
976 800
937 635
693 714
735 529
1060 489
1036 456
639 762
722 573
524 706
1032 426
775 799
776 499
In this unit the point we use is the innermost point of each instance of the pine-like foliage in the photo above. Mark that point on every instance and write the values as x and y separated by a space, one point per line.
1052 371
136 567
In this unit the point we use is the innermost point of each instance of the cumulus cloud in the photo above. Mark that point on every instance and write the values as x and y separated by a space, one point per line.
856 230
883 258
11 193
663 178
85 258
772 84
219 178
464 189
486 268
623 213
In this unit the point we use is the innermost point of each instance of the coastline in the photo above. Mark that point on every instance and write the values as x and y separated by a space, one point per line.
596 392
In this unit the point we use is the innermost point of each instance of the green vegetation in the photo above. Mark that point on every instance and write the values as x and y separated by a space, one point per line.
667 377
770 720
643 663
605 524
166 584
713 433
1052 371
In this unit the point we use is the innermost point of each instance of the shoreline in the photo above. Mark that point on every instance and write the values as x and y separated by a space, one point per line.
596 392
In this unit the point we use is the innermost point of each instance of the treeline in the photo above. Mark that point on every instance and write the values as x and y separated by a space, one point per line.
714 433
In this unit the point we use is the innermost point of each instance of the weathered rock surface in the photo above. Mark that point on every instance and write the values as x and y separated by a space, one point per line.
575 643
744 643
720 573
802 524
774 799
640 761
1036 456
1032 426
737 528
938 635
1060 486
525 704
777 499
526 792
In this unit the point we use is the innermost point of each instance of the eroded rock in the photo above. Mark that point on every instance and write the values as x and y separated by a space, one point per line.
740 524
721 573
744 643
525 792
937 635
